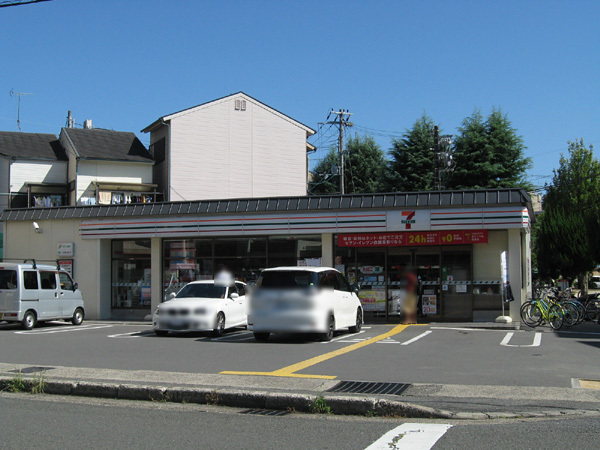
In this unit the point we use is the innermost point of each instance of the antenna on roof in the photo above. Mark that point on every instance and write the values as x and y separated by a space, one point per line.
18 94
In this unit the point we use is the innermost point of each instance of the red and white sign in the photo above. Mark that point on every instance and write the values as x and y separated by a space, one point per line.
413 238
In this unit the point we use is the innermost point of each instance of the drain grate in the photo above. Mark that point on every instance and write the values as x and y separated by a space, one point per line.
367 387
32 369
264 412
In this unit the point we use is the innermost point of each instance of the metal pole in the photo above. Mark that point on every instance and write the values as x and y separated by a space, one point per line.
341 150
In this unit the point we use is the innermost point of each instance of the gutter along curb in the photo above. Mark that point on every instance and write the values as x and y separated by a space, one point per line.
258 399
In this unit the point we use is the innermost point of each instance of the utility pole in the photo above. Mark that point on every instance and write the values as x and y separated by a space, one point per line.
18 94
441 157
341 121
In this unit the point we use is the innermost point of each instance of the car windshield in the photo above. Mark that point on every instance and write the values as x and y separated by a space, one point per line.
204 290
287 279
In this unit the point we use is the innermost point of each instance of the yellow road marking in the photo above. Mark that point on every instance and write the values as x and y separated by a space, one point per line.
289 371
589 384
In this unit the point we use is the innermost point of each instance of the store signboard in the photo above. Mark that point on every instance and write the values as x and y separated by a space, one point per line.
65 249
66 265
413 238
372 300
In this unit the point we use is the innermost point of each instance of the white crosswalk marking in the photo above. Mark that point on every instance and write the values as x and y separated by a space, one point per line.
413 436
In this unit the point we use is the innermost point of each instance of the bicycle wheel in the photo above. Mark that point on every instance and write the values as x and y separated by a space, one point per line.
531 314
580 311
571 314
592 310
556 316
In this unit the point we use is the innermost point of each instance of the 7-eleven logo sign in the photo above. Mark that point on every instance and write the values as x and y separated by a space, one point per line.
408 219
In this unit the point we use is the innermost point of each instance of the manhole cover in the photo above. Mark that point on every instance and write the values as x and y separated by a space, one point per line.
366 387
264 412
32 369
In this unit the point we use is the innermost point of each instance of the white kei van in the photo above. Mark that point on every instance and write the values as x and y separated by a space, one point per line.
31 293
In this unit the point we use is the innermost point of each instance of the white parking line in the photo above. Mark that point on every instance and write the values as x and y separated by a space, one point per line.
133 334
233 337
344 336
537 340
416 338
411 436
62 329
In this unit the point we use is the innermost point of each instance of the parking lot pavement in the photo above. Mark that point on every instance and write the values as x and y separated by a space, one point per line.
444 365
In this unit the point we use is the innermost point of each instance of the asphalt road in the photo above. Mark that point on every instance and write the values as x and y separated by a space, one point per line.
63 423
417 354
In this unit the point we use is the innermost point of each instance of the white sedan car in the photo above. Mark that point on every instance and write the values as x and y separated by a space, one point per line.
203 306
303 300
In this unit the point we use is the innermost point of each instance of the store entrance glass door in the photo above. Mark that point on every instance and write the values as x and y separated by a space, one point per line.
457 292
370 275
401 282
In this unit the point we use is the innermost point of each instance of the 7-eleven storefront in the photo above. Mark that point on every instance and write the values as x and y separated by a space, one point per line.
127 258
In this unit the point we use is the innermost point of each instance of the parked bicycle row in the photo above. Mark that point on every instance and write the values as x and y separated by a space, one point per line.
558 309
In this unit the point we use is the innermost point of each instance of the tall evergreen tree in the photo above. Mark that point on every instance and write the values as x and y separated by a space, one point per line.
411 164
567 240
489 154
364 169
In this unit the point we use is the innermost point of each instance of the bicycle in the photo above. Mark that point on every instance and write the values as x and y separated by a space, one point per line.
544 309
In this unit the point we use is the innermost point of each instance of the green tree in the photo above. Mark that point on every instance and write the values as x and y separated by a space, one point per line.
411 164
489 154
567 240
364 169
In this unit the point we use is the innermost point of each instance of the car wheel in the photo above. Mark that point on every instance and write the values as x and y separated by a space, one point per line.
219 325
262 337
161 333
77 317
327 336
359 319
29 320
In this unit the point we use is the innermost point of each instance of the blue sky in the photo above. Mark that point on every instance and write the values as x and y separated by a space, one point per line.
124 64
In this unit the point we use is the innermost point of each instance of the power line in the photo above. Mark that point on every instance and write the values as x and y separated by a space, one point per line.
6 4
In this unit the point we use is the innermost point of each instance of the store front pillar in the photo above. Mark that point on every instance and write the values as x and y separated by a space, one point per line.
156 271
327 250
515 272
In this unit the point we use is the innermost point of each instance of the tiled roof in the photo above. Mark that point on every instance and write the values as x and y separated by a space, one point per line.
31 146
417 200
100 144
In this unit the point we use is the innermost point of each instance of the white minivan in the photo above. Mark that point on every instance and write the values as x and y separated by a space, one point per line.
31 293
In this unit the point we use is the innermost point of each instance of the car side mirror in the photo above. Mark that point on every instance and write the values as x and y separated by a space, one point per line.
355 288
75 287
172 295
234 295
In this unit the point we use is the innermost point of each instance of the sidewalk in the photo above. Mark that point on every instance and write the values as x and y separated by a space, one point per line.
301 394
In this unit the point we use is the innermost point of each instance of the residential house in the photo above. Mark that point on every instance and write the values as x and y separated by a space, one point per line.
232 147
107 167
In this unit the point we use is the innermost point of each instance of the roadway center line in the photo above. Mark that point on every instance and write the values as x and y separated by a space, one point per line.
416 338
411 436
290 371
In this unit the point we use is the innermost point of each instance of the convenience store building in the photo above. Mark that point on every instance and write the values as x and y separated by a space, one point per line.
461 245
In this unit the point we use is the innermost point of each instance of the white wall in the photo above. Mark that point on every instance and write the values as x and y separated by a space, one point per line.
486 257
4 182
219 152
22 172
90 269
113 172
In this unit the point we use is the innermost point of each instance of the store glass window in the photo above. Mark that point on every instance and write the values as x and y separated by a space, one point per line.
294 250
186 260
131 280
241 247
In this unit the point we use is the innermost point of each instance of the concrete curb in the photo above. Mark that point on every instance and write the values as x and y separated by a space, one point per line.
257 399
